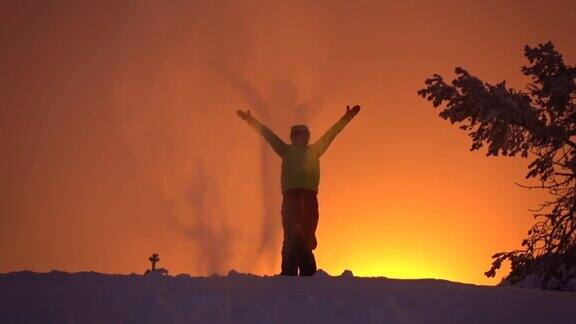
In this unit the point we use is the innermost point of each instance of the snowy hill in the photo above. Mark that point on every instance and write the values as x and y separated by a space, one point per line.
88 297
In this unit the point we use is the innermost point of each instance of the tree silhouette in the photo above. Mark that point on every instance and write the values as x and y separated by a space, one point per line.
155 258
538 123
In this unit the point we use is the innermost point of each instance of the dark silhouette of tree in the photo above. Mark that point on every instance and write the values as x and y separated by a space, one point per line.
155 258
538 123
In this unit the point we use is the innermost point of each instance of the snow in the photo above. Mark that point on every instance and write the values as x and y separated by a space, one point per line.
89 297
566 281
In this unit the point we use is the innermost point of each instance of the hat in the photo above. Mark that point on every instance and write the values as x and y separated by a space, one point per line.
299 128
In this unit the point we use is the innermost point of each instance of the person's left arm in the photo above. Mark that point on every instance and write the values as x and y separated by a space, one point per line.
324 142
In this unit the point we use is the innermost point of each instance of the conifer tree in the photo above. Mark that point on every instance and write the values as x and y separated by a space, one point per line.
538 123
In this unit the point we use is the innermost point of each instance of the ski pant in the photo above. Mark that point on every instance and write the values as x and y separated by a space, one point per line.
299 221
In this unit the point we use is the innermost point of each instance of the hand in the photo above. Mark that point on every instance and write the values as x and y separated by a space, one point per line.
350 113
246 115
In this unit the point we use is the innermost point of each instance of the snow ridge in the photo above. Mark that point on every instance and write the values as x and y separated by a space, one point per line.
87 297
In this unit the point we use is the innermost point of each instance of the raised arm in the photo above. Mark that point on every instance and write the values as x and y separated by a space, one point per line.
323 142
276 142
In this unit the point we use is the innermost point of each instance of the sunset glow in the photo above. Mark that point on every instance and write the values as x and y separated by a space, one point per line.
119 134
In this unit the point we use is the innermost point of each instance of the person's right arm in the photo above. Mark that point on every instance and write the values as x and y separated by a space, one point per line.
276 142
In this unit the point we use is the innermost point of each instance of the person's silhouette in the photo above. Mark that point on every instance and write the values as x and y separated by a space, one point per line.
300 178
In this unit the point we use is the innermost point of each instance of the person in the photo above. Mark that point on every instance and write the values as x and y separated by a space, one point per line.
299 181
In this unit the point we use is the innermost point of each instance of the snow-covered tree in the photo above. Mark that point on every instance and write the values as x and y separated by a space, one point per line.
538 123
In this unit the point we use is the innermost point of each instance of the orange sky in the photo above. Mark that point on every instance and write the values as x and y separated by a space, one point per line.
119 138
